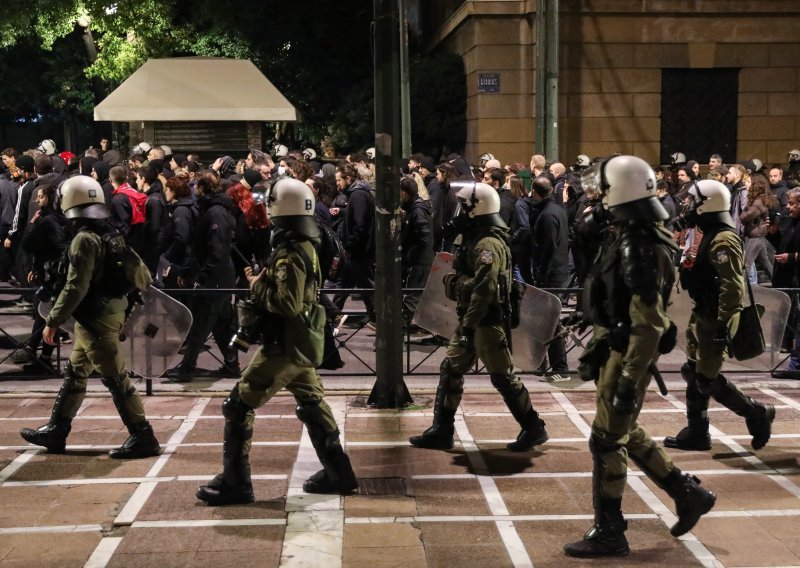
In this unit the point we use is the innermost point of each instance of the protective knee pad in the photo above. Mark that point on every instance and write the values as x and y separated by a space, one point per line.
503 383
308 411
451 380
234 409
113 383
689 371
711 387
599 448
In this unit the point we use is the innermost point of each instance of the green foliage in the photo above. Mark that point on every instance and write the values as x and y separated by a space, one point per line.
317 53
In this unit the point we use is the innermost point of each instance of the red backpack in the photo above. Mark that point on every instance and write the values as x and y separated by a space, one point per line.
138 201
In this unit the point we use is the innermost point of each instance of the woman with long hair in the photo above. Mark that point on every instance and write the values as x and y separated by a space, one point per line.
251 242
755 222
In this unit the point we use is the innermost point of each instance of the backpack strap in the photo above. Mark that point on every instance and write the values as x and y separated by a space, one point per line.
312 266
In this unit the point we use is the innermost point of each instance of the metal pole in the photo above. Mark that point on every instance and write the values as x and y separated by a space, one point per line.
390 390
551 126
540 58
405 87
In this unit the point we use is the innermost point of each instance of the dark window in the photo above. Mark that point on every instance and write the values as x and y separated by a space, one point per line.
699 111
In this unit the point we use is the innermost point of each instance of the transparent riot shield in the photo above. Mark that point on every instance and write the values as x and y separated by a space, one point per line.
773 323
153 333
539 315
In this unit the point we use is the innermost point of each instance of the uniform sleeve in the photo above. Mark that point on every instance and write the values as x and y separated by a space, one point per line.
281 292
489 259
83 254
726 256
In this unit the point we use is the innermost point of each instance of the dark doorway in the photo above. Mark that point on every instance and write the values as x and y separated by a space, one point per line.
699 112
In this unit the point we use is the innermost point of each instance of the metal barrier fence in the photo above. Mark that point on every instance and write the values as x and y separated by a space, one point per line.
355 342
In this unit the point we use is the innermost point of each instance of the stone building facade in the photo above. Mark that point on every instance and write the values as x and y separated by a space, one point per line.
618 62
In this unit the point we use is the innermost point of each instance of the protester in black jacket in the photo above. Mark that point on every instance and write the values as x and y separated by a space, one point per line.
44 242
357 233
550 259
212 268
156 217
184 214
100 171
416 240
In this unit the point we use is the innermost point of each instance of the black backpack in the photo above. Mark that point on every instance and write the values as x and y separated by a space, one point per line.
330 252
124 271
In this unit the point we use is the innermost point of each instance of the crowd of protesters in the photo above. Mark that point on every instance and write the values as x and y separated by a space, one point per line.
199 225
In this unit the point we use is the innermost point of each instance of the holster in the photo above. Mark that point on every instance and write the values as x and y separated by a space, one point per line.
593 358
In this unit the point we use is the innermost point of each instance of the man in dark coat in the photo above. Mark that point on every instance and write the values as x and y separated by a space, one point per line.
416 237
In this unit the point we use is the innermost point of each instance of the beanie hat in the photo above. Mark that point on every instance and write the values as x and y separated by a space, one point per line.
180 159
251 178
25 163
428 164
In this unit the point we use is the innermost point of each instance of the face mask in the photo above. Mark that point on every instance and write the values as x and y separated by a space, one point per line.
281 170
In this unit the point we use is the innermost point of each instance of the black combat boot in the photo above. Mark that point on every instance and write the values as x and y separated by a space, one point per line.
141 443
533 433
695 436
759 424
518 401
691 500
234 485
440 435
758 416
336 475
53 435
607 535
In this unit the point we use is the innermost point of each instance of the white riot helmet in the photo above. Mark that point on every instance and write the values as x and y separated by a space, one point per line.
280 150
82 197
47 146
758 164
309 154
678 158
485 158
371 153
290 205
794 155
709 203
628 187
141 149
167 150
583 161
478 206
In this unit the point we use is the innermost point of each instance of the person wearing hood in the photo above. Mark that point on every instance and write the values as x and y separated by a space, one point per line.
416 242
212 267
482 265
100 171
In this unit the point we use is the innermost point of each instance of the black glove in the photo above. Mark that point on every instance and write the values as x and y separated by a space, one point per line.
667 341
721 336
625 397
467 339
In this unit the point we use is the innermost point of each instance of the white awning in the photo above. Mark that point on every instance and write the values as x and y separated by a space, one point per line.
196 88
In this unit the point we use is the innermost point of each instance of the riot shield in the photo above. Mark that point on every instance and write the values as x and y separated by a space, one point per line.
773 323
152 334
539 315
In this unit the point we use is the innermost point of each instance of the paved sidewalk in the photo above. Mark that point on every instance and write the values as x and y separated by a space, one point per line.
477 505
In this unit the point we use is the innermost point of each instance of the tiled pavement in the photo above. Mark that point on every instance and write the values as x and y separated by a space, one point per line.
477 505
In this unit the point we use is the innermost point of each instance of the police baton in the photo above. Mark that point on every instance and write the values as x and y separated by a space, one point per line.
662 387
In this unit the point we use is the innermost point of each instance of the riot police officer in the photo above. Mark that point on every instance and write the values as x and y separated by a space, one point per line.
99 319
625 298
715 280
292 327
482 277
